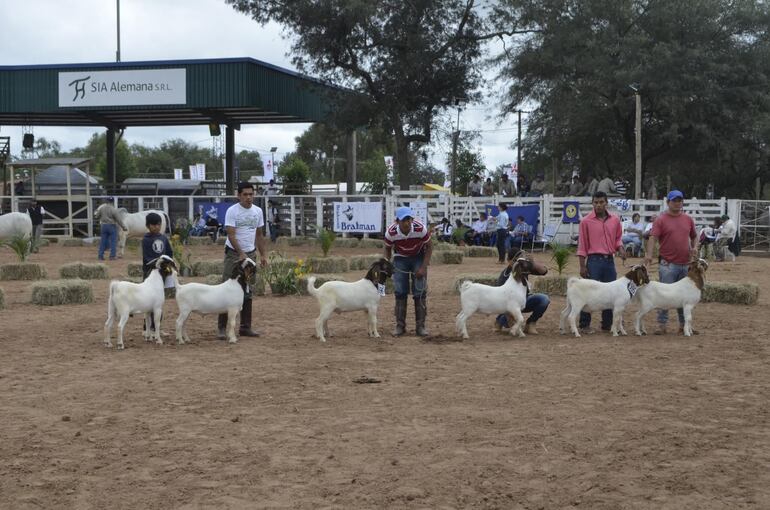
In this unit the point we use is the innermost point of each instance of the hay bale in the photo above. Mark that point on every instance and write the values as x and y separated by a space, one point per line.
207 267
551 285
2 299
486 279
135 270
448 257
23 271
319 280
363 262
295 241
133 242
84 271
346 242
42 242
731 293
72 242
480 251
370 243
199 241
442 246
62 292
328 264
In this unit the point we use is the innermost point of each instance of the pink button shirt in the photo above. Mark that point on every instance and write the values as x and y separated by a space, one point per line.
599 237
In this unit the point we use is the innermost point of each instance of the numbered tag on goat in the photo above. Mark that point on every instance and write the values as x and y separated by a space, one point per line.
381 289
632 288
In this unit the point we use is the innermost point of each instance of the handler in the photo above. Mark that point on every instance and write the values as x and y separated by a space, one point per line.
411 241
243 224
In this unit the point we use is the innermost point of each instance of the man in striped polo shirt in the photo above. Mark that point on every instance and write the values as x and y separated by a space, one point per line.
410 240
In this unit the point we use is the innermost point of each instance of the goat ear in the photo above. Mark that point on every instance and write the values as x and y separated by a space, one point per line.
153 262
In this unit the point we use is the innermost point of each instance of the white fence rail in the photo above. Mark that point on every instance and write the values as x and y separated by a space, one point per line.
300 214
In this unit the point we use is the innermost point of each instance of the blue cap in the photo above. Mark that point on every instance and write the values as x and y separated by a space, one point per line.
674 194
404 212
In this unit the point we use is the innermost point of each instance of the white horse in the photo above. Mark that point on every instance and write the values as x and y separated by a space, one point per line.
136 225
15 223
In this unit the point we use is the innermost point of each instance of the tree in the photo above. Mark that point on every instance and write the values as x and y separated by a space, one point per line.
47 149
701 68
296 175
96 150
409 59
469 163
249 164
374 173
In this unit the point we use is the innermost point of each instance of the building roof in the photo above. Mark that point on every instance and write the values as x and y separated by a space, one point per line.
231 91
49 162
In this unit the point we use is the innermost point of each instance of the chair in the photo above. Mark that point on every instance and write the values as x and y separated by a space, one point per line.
549 233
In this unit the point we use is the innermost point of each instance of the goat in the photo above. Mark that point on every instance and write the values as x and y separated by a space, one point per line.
227 297
15 224
128 298
685 293
363 294
591 296
511 297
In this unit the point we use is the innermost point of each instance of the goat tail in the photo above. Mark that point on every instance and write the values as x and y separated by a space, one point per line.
572 281
110 299
311 286
465 286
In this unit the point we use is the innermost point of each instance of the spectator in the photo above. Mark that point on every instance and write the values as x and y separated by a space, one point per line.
576 188
538 187
474 187
503 225
725 239
606 186
675 231
18 188
271 189
593 186
632 237
480 236
521 232
621 186
707 237
522 186
461 234
445 230
488 189
272 220
506 187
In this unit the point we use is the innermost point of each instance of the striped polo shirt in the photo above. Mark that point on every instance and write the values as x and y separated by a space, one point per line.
406 245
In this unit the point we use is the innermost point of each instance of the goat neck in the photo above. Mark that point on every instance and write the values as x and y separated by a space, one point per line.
379 272
521 269
695 273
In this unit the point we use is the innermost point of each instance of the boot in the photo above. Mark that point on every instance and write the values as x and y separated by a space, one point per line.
400 317
420 314
530 328
221 326
245 329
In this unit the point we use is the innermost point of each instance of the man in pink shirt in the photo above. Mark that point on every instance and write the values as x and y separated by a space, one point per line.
675 231
600 238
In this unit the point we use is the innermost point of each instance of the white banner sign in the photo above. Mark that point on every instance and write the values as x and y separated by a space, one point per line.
364 217
178 173
194 172
420 210
267 166
201 171
122 88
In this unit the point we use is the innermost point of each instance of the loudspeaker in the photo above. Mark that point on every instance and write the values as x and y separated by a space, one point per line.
28 142
214 129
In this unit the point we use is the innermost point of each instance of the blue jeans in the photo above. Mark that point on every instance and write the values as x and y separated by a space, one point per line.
404 267
602 269
536 303
109 237
671 273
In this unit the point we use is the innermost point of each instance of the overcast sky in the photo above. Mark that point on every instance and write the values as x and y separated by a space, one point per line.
84 31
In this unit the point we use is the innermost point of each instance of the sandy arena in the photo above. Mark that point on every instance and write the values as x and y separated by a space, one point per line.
546 421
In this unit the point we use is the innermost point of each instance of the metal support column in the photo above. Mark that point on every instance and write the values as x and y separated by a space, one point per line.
230 184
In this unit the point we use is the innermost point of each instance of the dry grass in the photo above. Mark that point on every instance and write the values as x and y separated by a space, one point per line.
328 264
134 270
480 251
62 292
448 257
208 267
363 262
370 243
84 271
23 271
550 285
731 293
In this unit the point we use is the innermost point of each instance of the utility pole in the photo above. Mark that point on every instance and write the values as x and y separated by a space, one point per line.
117 54
638 130
455 142
518 147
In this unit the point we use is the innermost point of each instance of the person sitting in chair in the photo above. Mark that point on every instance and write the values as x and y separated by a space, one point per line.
521 232
632 236
445 230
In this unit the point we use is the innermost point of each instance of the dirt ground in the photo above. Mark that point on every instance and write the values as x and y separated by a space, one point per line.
546 421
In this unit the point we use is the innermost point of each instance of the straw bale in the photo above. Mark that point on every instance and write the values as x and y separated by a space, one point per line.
135 269
486 279
363 262
346 242
62 292
449 257
72 242
207 267
328 264
442 246
199 241
23 271
84 271
319 280
295 241
551 285
370 243
731 293
480 251
43 242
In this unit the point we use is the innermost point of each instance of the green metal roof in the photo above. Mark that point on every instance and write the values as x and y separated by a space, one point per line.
227 91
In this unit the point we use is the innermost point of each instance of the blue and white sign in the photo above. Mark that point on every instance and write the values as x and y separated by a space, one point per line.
360 217
122 88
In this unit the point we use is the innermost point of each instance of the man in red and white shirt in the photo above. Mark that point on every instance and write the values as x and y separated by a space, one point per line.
410 240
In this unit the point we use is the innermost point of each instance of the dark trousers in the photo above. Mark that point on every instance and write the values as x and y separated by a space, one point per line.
602 269
502 237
